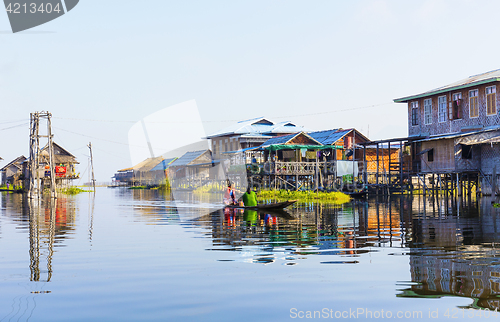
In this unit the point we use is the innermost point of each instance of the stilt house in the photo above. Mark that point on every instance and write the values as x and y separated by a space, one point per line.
248 134
12 172
454 130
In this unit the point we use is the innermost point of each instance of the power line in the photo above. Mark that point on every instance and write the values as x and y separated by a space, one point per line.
93 137
16 121
218 121
11 127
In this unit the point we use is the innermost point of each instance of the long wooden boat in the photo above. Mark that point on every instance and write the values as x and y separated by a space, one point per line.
355 195
276 205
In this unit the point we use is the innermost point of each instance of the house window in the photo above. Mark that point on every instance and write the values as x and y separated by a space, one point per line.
456 112
428 111
414 113
466 151
442 109
491 101
473 108
430 155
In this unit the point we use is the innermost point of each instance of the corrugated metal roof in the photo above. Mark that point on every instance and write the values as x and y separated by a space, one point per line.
145 165
488 77
165 164
329 137
459 134
17 161
258 126
187 158
279 139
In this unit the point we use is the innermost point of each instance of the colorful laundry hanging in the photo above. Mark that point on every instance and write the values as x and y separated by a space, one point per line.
311 154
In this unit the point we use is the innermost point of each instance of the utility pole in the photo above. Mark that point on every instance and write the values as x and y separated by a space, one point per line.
35 185
92 165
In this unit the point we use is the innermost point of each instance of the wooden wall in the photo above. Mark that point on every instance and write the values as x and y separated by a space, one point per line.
371 159
444 156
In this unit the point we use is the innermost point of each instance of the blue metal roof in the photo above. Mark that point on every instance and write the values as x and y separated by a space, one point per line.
329 137
279 139
187 158
164 164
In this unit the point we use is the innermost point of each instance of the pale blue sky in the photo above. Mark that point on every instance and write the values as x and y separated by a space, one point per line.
302 61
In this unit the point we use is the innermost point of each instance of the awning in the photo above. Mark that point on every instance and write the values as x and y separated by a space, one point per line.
242 150
424 151
492 140
276 147
204 164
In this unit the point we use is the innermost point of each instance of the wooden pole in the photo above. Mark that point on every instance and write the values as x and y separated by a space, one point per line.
389 148
316 173
494 181
51 158
377 174
365 167
92 165
401 162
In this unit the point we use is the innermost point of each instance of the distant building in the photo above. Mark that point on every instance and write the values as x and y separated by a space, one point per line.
12 172
249 133
193 165
148 172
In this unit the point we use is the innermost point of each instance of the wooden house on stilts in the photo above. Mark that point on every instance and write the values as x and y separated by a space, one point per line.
315 160
454 135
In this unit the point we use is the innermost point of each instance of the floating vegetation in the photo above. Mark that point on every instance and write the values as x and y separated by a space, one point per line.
162 187
138 187
11 188
304 196
212 187
73 190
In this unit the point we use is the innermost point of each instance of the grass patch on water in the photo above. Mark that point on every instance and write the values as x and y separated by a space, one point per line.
73 190
213 187
304 196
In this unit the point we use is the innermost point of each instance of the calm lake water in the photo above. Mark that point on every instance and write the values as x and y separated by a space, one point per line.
129 255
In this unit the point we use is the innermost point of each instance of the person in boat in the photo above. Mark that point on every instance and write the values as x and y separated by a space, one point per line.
249 198
229 198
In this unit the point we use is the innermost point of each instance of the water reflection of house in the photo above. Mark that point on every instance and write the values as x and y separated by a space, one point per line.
322 229
12 172
49 226
383 219
456 256
439 274
50 223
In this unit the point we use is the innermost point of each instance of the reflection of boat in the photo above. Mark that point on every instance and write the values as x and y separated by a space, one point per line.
278 212
359 194
276 205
